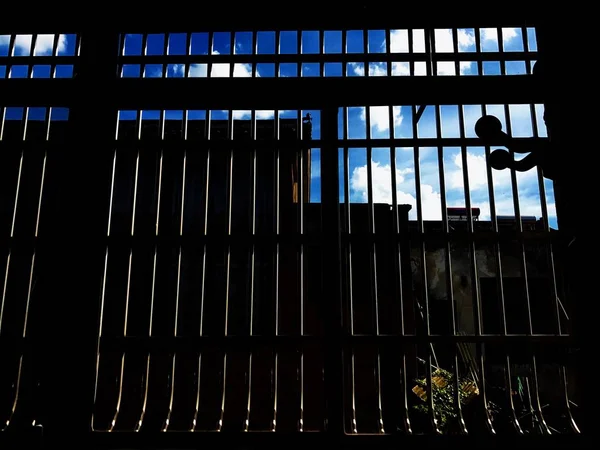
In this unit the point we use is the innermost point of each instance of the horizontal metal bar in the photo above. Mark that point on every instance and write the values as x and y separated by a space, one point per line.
295 440
35 60
245 343
552 348
277 93
260 17
319 58
216 240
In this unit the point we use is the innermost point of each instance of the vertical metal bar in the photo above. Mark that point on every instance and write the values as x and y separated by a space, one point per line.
211 38
232 52
501 50
152 296
373 261
448 266
254 52
398 270
252 260
56 40
201 330
301 271
500 282
424 314
164 67
411 62
344 52
144 48
34 37
430 47
228 269
299 50
388 53
332 262
133 214
349 269
277 239
365 55
277 51
456 53
188 51
528 67
478 52
103 295
321 52
177 294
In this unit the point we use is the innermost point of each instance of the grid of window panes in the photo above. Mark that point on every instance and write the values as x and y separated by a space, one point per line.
330 53
38 55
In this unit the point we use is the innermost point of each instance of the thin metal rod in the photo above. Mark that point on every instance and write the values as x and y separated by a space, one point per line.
373 266
301 188
103 295
277 222
228 268
203 296
252 261
125 322
153 294
449 273
425 314
354 426
398 270
177 294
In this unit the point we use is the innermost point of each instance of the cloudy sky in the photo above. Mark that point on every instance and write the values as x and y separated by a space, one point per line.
522 122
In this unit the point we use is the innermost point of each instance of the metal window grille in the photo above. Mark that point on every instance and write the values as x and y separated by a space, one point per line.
241 292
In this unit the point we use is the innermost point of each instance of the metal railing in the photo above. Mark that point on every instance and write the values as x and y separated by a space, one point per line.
256 279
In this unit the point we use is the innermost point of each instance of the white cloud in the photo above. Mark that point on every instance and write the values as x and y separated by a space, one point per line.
529 200
377 69
400 68
382 190
399 41
260 115
380 117
178 70
491 34
528 206
221 70
43 44
358 69
444 41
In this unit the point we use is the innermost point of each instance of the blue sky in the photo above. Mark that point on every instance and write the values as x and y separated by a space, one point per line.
520 115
